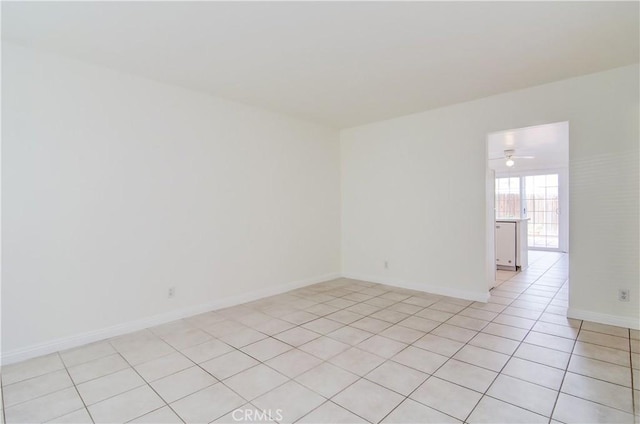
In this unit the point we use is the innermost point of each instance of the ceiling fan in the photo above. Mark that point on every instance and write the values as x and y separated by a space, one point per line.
509 155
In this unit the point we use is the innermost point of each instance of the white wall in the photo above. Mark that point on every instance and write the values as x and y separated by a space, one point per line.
413 192
116 188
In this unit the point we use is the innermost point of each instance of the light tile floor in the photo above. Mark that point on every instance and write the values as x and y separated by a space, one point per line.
348 351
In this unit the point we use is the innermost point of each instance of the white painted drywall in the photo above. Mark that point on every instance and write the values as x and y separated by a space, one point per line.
116 188
413 191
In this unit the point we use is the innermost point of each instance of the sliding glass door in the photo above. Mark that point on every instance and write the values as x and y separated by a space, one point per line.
539 198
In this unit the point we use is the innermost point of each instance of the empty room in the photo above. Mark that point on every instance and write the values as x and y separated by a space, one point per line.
320 212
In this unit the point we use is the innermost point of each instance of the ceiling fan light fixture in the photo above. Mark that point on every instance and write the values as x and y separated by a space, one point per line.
509 162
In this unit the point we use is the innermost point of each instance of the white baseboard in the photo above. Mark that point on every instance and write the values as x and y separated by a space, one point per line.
64 343
616 320
445 291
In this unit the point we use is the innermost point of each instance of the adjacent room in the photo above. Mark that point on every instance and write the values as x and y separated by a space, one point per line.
320 212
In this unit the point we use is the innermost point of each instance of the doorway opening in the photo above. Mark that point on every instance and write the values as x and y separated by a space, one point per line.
527 195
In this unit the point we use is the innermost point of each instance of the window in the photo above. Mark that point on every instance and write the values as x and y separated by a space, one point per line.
534 197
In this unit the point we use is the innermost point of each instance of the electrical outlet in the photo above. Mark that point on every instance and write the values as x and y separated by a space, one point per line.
623 295
172 292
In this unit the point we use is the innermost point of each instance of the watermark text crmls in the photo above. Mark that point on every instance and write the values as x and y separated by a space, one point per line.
257 414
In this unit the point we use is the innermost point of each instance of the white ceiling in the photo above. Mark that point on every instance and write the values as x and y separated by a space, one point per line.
337 63
549 144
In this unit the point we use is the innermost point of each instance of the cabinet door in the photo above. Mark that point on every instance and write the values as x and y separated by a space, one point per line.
506 243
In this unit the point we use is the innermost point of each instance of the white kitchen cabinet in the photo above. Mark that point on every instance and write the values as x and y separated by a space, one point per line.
506 245
512 244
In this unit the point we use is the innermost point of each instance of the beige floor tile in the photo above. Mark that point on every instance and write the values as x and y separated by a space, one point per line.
412 412
126 406
523 394
293 362
297 336
606 340
45 408
560 320
491 411
495 343
266 349
405 308
556 330
228 364
323 325
345 317
389 315
35 387
81 416
368 400
598 391
205 351
522 312
491 307
467 322
324 347
363 309
224 328
434 315
94 391
547 340
350 335
357 297
329 412
292 398
31 368
454 333
243 337
602 353
513 321
248 413
380 301
182 383
163 366
447 397
187 338
372 325
299 317
533 372
207 405
420 359
86 353
478 314
402 334
255 381
543 355
506 331
273 326
447 307
397 377
327 379
97 368
570 409
467 375
437 344
382 346
482 357
357 361
600 370
164 415
635 362
606 329
148 351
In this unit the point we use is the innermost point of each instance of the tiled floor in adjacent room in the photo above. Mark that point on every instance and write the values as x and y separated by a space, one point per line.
347 351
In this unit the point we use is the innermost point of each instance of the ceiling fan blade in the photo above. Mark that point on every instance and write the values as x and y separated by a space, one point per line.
523 157
499 157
